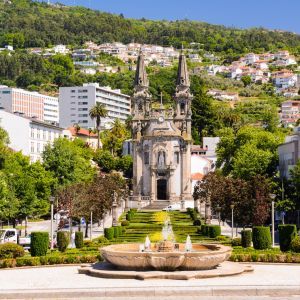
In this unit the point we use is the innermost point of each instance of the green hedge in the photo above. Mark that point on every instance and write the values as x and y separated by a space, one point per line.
109 233
197 222
261 237
39 243
295 244
125 223
236 242
63 240
11 250
79 239
246 239
286 234
214 231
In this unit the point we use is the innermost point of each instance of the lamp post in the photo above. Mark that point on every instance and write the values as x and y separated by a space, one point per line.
91 228
51 232
232 224
273 196
218 210
114 210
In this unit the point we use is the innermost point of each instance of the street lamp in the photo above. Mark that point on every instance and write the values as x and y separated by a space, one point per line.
273 196
52 199
232 207
218 210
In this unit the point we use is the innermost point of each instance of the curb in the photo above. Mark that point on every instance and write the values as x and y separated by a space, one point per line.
152 292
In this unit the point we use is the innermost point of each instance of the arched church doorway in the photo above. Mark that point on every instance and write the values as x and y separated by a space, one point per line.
162 189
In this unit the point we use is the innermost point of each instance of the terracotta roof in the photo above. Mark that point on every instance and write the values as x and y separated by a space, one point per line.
82 131
197 176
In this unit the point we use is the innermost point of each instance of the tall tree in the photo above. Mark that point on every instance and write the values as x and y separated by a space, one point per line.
97 112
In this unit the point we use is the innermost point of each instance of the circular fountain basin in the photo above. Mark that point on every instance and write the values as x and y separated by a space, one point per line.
202 257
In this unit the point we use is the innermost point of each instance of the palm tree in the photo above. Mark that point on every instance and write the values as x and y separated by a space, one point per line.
97 112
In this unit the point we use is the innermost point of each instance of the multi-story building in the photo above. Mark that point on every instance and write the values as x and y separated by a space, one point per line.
290 112
32 104
76 102
28 135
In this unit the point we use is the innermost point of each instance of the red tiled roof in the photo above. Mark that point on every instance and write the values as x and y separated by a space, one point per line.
82 131
197 176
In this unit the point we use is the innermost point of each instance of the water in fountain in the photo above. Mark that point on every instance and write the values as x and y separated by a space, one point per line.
147 244
188 244
167 231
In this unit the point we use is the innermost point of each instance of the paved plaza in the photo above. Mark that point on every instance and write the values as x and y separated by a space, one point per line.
269 280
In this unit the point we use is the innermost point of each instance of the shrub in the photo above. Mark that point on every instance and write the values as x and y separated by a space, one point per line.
129 216
28 261
116 231
261 237
11 250
39 243
246 238
109 233
236 242
221 238
125 223
79 239
214 231
8 263
205 229
197 222
63 240
102 240
286 234
295 244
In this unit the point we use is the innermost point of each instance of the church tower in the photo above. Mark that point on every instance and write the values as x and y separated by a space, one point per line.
161 140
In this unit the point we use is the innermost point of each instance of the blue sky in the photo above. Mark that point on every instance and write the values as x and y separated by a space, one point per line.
273 14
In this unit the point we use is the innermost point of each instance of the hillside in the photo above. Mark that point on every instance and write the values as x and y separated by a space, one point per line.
32 24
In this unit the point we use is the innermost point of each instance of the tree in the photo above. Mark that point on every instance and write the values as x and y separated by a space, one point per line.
246 80
97 112
68 161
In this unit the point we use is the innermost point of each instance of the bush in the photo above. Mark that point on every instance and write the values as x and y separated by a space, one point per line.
11 250
205 229
286 234
125 223
221 238
246 238
109 233
261 237
295 244
79 239
39 243
214 231
102 240
129 216
28 261
116 231
236 242
63 240
197 222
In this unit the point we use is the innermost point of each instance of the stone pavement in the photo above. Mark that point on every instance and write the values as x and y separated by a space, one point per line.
280 280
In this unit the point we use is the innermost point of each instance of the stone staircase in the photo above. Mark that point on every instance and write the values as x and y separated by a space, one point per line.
157 205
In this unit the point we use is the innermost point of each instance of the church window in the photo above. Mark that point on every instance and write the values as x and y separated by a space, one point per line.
176 157
146 158
140 106
182 108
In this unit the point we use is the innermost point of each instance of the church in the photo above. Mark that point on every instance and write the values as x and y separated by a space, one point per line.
161 140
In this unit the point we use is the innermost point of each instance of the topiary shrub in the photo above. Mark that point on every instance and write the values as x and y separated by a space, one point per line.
214 231
246 238
79 239
109 233
116 232
197 222
286 234
125 223
11 250
129 216
295 244
102 240
261 237
63 240
39 243
236 242
204 229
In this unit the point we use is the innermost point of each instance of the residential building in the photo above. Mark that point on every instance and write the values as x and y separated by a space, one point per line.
289 153
223 95
28 135
31 104
89 137
284 79
61 49
250 58
290 112
76 102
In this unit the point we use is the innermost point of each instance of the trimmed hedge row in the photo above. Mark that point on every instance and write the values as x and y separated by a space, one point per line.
246 238
211 231
130 214
286 235
193 213
39 243
261 237
79 239
49 260
266 257
113 232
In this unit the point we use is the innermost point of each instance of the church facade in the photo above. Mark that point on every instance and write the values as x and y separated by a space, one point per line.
162 140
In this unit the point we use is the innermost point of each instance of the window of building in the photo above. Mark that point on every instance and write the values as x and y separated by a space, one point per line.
176 157
38 134
182 108
5 92
32 133
73 91
44 135
83 115
32 147
38 150
146 158
82 103
82 109
73 102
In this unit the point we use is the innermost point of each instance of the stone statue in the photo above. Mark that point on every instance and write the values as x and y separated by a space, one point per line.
161 159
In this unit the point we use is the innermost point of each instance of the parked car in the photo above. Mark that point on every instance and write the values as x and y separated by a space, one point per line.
11 235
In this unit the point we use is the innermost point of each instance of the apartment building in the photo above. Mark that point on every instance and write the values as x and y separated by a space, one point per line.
32 104
290 112
28 135
76 102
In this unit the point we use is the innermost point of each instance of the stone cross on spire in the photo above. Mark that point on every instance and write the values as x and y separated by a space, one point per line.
141 79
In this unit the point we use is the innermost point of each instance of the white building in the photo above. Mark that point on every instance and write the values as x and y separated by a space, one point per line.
76 102
28 135
31 104
61 49
290 112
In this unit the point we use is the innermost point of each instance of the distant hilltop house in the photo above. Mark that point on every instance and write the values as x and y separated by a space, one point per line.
89 137
290 112
223 95
284 79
